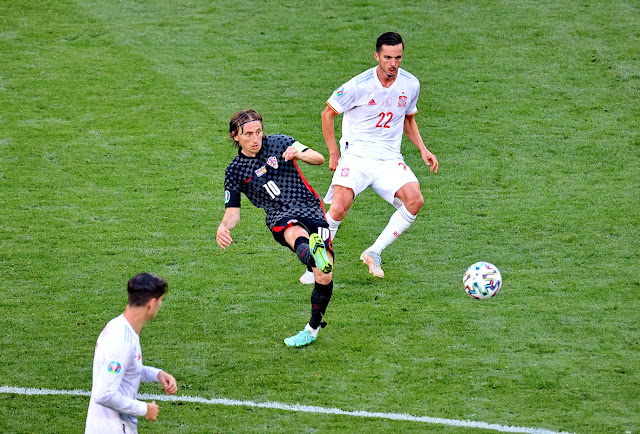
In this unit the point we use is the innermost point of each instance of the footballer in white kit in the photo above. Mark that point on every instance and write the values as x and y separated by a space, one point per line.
117 373
372 129
117 363
378 106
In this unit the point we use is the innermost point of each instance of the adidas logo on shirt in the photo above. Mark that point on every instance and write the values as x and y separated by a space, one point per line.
372 102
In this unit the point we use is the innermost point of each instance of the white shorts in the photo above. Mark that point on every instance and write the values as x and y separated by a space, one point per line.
385 177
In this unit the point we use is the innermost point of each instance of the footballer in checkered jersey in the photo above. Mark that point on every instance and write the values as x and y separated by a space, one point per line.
266 172
272 183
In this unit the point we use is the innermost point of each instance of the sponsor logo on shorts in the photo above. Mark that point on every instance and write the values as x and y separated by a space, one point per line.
227 196
402 101
114 367
273 162
261 171
404 166
344 172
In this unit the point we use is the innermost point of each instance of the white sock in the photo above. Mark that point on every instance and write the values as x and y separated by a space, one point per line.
333 226
399 221
314 332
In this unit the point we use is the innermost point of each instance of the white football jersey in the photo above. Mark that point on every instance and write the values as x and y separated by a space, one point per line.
373 121
117 373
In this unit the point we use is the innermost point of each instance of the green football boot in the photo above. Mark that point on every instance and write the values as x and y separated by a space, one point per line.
300 340
319 253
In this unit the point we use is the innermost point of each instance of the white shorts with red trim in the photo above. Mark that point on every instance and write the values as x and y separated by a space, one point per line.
385 177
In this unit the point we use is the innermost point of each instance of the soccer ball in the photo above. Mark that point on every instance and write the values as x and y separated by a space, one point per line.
482 280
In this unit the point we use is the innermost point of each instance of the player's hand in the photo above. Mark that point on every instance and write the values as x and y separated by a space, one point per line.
333 162
168 382
290 153
430 160
152 411
223 237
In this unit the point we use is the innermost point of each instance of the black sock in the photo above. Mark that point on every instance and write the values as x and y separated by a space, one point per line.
301 247
320 298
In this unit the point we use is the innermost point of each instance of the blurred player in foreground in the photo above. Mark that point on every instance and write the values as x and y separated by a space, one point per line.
117 363
265 170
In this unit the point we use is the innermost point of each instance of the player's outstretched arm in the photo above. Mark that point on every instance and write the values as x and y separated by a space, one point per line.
168 382
413 134
229 221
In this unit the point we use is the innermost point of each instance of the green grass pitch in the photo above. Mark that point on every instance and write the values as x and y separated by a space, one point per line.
113 145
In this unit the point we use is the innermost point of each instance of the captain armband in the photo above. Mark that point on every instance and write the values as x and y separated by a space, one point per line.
299 146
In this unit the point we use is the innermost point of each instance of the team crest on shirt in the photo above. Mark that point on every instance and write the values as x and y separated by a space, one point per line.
261 171
273 162
114 367
402 101
344 172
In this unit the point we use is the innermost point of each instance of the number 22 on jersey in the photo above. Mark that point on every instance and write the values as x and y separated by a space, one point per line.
381 122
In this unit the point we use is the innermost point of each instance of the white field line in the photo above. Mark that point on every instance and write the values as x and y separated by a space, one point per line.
297 408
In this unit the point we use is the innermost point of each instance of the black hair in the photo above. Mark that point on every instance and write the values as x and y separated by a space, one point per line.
143 287
389 38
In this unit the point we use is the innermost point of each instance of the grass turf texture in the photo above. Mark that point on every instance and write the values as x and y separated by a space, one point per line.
112 155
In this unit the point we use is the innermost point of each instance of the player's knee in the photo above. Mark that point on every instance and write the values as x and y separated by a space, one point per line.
338 211
414 204
324 278
342 200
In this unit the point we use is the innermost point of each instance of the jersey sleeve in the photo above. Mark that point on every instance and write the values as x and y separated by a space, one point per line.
149 374
286 142
278 143
231 188
107 384
344 97
412 109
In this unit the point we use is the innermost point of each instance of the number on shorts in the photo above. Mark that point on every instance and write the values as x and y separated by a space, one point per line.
324 233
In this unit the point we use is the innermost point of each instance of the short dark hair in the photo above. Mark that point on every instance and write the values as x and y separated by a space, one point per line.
239 119
143 287
389 38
